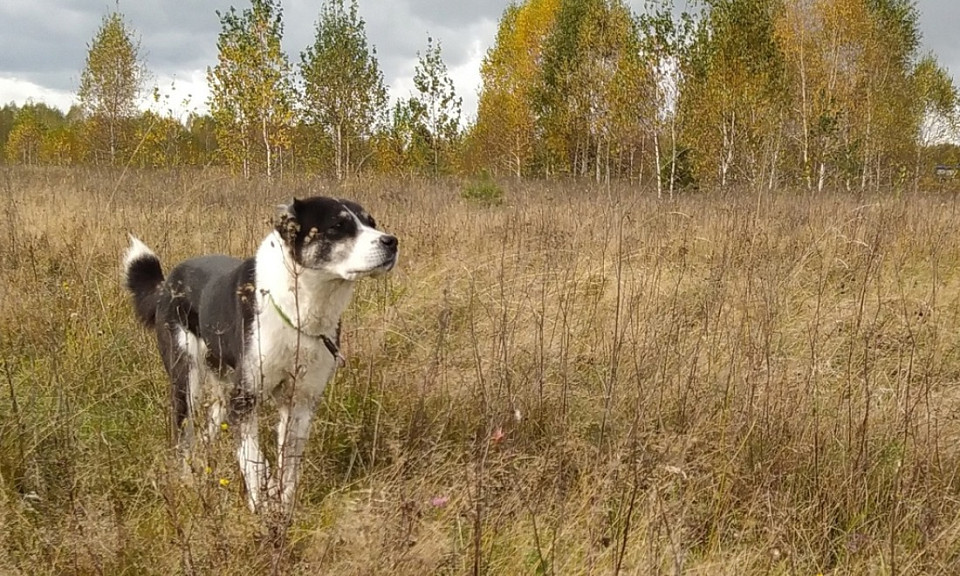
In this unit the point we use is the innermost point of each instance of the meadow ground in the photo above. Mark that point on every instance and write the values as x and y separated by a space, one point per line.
576 381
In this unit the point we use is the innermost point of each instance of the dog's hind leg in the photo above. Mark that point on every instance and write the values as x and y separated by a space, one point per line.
216 412
195 380
178 364
210 394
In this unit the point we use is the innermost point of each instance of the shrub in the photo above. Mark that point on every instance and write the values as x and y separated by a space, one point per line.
483 190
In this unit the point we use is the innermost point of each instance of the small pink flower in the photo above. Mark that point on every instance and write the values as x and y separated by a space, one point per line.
497 435
439 501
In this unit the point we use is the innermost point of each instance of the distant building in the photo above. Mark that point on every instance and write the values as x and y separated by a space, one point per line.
944 171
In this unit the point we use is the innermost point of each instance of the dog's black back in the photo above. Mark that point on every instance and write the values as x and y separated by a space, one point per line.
212 298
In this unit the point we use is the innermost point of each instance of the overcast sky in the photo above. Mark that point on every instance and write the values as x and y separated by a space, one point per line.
43 43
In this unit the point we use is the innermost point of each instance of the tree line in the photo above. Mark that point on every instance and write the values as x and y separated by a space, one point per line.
764 93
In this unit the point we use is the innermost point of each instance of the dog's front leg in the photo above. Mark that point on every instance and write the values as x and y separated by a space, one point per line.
293 432
253 464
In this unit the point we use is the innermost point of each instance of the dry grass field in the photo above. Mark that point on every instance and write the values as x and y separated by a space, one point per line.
577 381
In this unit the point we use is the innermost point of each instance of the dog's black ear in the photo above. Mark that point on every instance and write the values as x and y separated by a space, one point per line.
287 210
287 224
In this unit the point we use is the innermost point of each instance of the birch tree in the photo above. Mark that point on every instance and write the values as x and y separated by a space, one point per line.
26 138
858 93
663 41
251 94
732 82
505 133
344 96
589 99
111 82
937 104
437 105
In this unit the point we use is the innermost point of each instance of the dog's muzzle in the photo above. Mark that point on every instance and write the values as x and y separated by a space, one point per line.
389 246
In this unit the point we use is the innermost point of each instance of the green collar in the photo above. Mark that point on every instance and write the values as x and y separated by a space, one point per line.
331 346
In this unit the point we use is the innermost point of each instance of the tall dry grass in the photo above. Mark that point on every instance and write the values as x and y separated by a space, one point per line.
577 381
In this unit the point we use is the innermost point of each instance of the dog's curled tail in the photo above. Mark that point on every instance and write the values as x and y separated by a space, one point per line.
143 276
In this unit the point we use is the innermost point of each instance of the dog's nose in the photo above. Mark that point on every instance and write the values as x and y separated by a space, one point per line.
388 241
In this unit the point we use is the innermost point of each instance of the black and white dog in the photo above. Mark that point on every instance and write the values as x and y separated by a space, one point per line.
232 331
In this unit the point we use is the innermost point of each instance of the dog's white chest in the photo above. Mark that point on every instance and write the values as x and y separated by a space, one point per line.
296 309
300 362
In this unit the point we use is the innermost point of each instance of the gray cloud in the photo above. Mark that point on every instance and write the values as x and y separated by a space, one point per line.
938 22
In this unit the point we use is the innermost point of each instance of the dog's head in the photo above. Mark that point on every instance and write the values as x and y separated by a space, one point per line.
336 236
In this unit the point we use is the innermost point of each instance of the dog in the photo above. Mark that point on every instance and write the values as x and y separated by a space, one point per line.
235 331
